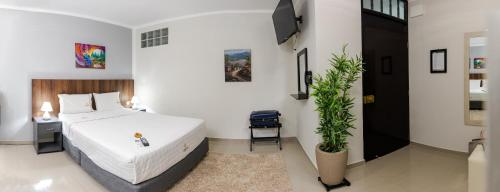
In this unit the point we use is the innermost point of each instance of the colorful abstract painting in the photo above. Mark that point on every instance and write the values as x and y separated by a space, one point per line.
90 56
479 63
238 65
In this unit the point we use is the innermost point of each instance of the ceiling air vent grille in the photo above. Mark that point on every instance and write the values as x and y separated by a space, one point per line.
154 38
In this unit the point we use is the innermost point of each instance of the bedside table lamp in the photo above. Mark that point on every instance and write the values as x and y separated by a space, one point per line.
46 108
135 102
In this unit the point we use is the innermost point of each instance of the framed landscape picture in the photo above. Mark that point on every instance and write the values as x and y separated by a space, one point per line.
238 65
90 56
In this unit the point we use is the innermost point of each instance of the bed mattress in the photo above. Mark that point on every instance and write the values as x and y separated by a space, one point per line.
107 138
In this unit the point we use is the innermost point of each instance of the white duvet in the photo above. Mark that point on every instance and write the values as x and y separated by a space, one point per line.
107 138
478 95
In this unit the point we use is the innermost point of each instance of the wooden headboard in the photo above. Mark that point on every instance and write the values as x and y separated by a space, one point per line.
48 89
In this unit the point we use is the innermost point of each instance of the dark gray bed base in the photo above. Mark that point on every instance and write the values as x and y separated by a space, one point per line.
159 183
72 151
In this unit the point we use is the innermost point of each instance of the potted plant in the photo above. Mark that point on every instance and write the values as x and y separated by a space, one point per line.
333 100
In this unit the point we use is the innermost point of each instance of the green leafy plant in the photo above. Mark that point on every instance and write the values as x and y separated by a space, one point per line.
334 102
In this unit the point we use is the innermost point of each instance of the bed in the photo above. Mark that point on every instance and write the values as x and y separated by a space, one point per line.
477 99
103 143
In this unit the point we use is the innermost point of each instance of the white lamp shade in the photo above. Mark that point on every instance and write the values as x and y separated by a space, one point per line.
46 107
134 100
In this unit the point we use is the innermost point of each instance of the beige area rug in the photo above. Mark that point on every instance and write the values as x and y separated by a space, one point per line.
237 172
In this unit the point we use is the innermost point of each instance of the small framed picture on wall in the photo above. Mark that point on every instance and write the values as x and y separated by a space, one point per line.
238 65
439 61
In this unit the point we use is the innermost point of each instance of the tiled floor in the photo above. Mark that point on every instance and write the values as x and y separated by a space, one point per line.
414 168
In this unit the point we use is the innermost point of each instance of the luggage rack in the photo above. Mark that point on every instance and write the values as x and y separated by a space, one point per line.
269 121
277 138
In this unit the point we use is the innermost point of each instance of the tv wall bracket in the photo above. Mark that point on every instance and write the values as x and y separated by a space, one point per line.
299 19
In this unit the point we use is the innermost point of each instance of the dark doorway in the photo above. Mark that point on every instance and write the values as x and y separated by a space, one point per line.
385 84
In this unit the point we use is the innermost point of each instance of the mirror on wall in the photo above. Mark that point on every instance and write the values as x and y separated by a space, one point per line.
476 83
304 76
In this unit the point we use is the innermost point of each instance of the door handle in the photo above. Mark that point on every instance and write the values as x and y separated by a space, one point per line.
367 99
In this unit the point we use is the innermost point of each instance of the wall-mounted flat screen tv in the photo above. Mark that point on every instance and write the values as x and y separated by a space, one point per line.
285 22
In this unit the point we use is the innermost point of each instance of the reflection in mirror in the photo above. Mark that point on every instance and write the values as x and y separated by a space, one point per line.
476 84
302 71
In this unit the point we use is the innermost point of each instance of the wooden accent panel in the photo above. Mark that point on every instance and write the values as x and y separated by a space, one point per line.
477 76
48 89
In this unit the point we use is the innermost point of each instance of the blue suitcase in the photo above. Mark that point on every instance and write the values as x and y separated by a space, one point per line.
267 114
268 118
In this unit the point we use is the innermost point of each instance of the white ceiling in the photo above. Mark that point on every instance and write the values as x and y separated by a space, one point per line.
134 13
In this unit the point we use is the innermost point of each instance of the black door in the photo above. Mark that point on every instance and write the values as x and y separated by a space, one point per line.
385 85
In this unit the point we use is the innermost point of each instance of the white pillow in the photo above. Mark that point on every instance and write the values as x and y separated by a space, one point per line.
107 101
75 103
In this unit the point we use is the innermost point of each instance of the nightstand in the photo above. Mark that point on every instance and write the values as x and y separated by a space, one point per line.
47 135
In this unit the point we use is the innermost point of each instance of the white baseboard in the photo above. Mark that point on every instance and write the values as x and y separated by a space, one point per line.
284 139
359 163
16 142
438 149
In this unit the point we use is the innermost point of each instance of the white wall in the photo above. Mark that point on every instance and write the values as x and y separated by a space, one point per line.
186 77
307 119
493 133
39 45
332 23
437 100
